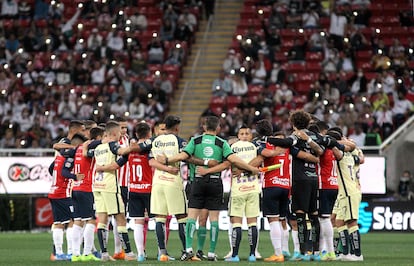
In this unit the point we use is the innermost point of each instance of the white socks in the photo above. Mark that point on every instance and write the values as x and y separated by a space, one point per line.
295 238
117 240
285 239
69 234
139 238
57 234
326 236
276 237
88 238
76 239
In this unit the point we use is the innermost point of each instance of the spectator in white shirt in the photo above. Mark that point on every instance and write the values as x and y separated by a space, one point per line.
115 41
24 119
358 136
9 9
189 19
239 84
98 73
283 95
310 19
338 28
137 109
66 109
384 119
231 62
119 107
402 109
94 40
139 21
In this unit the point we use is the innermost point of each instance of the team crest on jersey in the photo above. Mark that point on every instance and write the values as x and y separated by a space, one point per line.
147 142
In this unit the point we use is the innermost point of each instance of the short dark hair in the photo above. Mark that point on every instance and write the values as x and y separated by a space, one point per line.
244 126
78 138
88 124
171 121
111 125
300 119
120 119
322 125
142 129
211 122
314 128
264 128
335 132
75 123
96 132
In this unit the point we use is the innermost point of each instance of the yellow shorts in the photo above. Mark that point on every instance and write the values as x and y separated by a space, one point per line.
335 208
247 205
348 207
167 200
108 202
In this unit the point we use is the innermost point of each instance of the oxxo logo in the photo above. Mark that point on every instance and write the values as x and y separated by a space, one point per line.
394 217
21 172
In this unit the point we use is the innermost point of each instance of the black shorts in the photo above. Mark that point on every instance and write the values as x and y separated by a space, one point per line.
275 201
188 189
206 193
327 199
124 195
305 195
83 205
62 210
138 204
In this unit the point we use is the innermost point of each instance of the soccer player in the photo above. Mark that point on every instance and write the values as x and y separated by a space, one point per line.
167 194
328 191
305 185
140 184
244 196
206 191
75 127
123 178
349 198
60 199
82 198
276 183
106 189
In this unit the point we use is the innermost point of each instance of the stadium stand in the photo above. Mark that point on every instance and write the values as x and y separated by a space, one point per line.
366 79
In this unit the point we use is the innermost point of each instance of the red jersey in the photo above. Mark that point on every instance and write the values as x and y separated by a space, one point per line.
140 178
279 177
82 165
61 186
122 172
327 171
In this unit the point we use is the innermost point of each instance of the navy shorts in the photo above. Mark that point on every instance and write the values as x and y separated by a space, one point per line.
305 195
62 210
138 203
83 205
124 195
327 199
275 201
206 193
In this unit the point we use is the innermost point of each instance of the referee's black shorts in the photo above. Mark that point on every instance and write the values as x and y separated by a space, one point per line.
206 193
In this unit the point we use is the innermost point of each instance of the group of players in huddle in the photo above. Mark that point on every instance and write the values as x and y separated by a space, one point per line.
307 180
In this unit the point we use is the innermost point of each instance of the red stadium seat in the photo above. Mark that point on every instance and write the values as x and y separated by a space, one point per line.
255 89
233 101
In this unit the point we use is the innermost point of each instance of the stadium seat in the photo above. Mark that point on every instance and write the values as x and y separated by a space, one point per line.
233 101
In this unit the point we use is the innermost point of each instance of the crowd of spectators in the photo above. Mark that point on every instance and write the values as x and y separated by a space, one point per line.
89 59
362 76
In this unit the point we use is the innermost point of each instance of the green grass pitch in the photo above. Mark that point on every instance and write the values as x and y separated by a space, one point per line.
35 248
